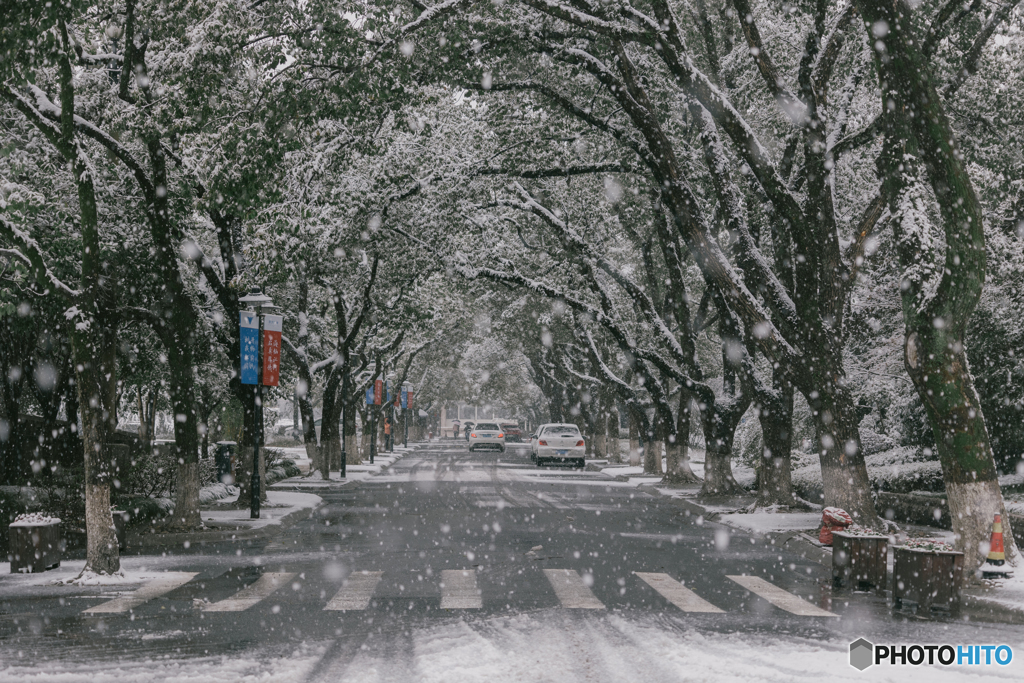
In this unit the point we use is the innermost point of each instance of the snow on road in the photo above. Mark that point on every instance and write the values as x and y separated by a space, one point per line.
549 646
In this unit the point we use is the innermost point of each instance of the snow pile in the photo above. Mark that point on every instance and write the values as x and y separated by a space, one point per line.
215 492
91 578
34 519
927 544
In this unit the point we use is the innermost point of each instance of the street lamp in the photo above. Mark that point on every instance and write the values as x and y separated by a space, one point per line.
113 31
260 339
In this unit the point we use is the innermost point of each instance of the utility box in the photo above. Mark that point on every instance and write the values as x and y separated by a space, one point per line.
35 543
225 460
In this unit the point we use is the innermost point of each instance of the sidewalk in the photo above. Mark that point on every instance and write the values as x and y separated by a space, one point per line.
354 473
797 532
224 522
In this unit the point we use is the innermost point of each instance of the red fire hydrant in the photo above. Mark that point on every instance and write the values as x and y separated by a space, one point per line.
833 519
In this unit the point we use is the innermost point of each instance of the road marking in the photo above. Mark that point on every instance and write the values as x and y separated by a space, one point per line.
148 591
780 598
356 592
676 593
459 589
259 590
571 590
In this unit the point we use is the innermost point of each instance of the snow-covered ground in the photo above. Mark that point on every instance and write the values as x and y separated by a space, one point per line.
352 472
279 505
547 645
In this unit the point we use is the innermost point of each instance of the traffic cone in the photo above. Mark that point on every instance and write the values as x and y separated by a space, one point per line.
995 564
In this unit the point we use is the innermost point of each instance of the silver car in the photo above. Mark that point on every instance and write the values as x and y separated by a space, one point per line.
486 435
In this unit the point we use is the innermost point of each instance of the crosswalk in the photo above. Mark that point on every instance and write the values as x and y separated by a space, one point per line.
460 589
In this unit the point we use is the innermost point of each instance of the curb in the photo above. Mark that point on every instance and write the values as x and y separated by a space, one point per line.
333 487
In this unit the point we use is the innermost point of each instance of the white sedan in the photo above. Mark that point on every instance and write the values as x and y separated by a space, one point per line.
558 441
486 435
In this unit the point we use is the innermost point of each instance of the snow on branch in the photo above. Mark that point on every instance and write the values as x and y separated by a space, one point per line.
30 253
51 111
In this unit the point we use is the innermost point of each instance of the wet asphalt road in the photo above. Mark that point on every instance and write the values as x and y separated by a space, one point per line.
496 519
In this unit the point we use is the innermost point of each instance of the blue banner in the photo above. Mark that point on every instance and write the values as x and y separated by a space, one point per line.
405 398
249 331
369 395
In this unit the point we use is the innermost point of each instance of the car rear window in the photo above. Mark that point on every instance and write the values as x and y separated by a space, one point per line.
562 431
487 425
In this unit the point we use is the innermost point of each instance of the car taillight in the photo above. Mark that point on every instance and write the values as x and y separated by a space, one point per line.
500 435
473 435
542 443
580 442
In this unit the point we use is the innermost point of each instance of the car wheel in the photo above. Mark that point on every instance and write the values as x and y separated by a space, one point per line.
581 464
471 449
502 449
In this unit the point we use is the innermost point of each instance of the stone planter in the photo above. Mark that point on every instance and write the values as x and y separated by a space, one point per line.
929 578
859 562
35 546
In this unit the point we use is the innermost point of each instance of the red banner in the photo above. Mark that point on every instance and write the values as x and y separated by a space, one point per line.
408 404
271 350
378 392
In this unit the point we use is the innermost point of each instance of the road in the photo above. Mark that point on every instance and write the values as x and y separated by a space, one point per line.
456 566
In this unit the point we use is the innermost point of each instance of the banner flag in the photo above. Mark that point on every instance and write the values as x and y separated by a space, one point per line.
272 327
249 330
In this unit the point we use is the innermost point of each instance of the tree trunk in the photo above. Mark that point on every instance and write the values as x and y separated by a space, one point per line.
774 472
677 467
612 436
719 432
601 435
634 440
95 383
351 441
918 135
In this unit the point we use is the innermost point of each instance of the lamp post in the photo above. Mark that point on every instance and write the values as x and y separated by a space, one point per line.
258 334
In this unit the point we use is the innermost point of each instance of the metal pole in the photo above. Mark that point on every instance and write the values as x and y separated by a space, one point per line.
373 430
344 393
257 432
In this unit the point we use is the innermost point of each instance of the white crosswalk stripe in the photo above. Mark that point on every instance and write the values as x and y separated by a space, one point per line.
571 591
356 592
782 599
676 593
148 591
459 589
252 594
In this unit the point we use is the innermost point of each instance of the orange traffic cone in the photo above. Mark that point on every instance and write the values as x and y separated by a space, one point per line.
994 567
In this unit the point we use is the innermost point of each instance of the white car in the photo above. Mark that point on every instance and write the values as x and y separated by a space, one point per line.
558 441
486 435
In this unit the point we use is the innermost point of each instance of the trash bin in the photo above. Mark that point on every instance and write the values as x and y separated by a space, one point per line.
225 461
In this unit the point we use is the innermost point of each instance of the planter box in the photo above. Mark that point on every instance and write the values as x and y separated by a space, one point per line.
859 562
35 547
930 578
